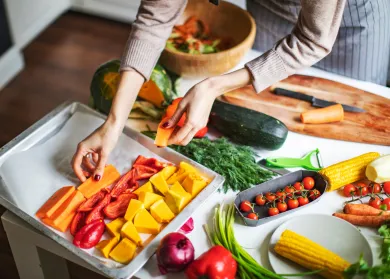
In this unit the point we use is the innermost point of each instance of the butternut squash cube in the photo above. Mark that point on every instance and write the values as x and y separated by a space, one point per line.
194 183
129 231
168 171
186 167
124 252
106 246
177 177
90 187
147 187
161 212
179 189
114 227
159 182
148 198
134 207
176 202
145 223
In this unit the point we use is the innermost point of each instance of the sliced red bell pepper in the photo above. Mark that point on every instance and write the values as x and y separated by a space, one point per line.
89 235
90 203
96 213
150 162
217 262
143 172
118 208
78 222
121 185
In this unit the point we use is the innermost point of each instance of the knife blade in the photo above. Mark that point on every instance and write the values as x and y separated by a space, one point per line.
313 100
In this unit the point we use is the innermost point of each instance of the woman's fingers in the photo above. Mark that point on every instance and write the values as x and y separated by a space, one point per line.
95 157
176 116
76 163
189 137
87 163
98 174
181 134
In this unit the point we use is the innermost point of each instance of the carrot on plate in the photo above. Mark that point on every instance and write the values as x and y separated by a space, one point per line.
69 207
364 221
363 210
90 187
55 201
329 114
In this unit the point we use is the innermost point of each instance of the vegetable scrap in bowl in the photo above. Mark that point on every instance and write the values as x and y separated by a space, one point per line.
195 37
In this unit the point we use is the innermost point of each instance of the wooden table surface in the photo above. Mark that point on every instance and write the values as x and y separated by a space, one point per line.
60 63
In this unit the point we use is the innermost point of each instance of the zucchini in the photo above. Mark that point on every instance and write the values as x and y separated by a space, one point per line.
249 127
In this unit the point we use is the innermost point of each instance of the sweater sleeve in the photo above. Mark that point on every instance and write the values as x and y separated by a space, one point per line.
149 33
311 40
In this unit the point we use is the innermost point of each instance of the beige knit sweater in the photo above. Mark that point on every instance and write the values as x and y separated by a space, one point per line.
311 39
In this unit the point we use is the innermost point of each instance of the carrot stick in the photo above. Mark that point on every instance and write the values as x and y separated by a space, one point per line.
364 221
323 115
363 210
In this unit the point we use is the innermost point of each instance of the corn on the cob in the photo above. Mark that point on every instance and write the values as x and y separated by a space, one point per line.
311 255
348 171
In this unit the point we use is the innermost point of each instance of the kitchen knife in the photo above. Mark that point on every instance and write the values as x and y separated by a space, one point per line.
313 100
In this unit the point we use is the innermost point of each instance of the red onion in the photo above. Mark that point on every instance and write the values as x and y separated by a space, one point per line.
187 227
174 253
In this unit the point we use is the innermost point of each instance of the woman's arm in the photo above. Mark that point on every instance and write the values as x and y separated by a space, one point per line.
311 40
149 32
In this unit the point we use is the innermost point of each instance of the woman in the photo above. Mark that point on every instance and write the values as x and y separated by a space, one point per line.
293 34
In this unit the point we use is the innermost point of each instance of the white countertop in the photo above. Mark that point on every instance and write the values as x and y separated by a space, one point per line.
256 239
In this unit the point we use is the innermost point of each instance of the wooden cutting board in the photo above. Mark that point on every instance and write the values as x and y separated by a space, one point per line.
372 126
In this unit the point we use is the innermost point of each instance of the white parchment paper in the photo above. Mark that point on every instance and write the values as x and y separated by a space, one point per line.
32 176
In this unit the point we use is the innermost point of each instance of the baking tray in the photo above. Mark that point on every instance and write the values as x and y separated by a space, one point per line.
273 186
51 124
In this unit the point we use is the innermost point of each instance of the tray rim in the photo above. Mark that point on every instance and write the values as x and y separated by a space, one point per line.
147 252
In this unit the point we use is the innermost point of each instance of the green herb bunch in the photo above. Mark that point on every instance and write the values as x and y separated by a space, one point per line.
234 162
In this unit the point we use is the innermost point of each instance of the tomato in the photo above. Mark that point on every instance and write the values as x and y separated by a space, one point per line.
260 199
363 191
270 196
386 187
282 206
292 203
273 211
375 202
374 188
246 206
289 190
303 201
202 132
89 235
314 194
386 202
308 183
298 187
280 194
252 216
349 190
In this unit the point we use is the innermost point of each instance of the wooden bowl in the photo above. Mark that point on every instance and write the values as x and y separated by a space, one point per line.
225 20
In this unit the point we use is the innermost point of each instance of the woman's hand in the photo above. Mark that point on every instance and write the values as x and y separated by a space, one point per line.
198 102
92 153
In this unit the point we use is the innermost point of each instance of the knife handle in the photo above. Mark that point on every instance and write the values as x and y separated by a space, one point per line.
293 94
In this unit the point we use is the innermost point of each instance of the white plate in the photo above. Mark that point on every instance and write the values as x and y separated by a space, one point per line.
330 232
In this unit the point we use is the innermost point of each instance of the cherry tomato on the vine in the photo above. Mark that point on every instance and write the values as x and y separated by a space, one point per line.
298 187
253 216
386 187
349 190
375 202
260 199
246 206
270 196
386 202
292 203
308 183
289 190
303 201
282 206
314 194
374 188
273 211
280 194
